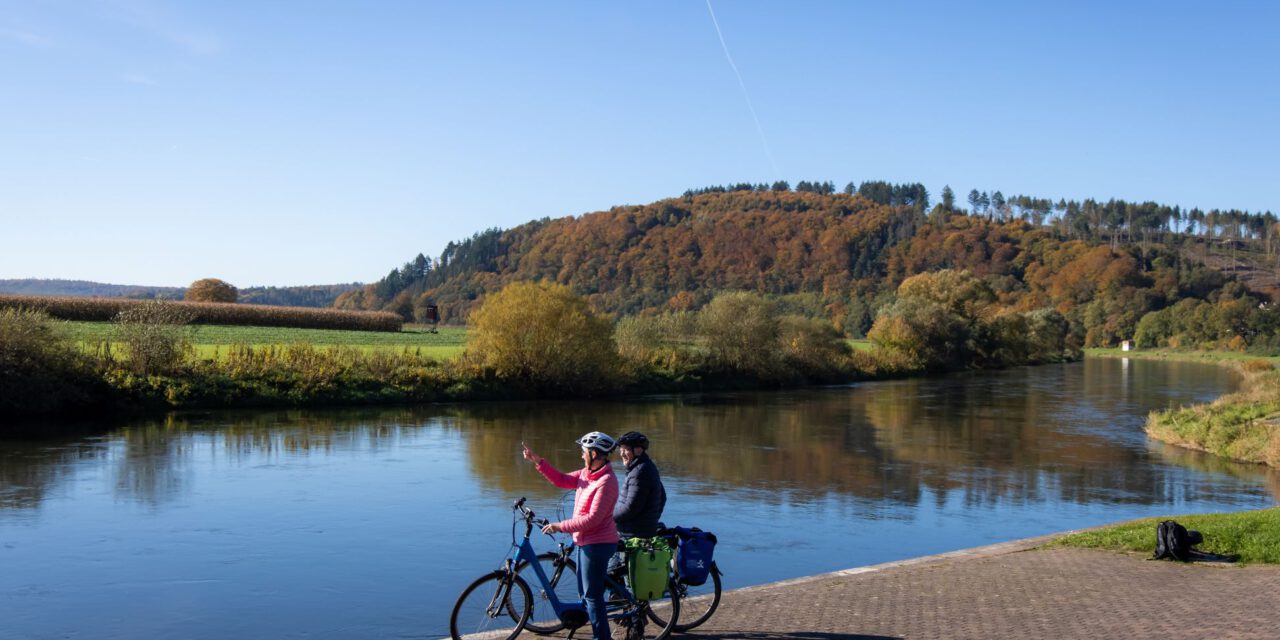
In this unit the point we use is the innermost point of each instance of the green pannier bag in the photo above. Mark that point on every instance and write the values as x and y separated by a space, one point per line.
648 567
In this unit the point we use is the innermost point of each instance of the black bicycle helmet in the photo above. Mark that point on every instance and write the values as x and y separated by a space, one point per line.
634 439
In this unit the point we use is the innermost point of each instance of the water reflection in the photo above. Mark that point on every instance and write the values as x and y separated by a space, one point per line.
1068 433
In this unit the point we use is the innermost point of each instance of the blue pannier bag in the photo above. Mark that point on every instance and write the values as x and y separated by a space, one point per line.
694 554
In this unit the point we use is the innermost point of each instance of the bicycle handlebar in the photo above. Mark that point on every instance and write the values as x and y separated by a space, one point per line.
530 518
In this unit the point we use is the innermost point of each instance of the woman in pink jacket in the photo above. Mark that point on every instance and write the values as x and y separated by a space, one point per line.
592 525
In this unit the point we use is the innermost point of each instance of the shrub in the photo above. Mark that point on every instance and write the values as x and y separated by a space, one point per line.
1257 365
813 348
210 290
154 336
645 340
926 334
40 370
741 333
544 335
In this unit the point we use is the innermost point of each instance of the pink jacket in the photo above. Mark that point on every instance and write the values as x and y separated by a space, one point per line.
592 521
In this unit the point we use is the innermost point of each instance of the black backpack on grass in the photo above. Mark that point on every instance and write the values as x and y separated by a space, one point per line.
1174 541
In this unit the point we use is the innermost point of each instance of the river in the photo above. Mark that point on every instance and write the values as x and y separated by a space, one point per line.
368 523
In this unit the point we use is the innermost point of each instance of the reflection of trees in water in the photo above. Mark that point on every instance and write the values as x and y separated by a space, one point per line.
1019 436
151 459
1209 463
31 470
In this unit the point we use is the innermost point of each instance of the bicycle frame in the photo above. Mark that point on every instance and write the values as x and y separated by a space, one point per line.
523 552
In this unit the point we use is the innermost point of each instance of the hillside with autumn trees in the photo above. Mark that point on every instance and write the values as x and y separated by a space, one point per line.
840 256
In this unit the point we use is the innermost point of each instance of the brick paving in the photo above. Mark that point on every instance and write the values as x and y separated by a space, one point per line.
1010 591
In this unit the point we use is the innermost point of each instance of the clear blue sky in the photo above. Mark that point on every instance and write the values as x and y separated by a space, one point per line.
148 142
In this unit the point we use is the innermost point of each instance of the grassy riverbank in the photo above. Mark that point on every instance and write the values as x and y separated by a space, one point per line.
1253 535
1243 426
1230 358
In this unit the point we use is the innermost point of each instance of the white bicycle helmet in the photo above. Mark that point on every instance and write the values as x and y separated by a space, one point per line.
597 440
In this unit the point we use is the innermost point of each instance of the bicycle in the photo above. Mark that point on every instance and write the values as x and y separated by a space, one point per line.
501 598
697 603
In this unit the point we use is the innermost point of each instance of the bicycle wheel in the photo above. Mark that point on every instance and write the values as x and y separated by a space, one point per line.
696 603
649 620
490 604
563 577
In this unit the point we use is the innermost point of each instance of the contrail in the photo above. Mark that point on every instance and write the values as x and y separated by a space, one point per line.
764 141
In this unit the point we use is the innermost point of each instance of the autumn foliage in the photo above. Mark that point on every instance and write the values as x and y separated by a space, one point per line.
542 335
830 256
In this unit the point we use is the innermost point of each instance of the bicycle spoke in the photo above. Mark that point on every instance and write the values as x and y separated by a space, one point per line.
496 602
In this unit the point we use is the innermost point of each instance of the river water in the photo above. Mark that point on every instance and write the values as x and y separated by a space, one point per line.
367 524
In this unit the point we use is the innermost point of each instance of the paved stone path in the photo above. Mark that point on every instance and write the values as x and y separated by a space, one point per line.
1010 591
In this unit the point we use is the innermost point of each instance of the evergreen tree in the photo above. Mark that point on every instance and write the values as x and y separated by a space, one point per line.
948 198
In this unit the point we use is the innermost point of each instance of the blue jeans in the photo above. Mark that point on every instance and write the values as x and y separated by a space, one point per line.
593 564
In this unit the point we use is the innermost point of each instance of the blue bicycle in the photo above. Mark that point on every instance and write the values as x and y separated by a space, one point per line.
501 604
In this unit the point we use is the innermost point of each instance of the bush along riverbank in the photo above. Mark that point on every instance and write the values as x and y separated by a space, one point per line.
529 340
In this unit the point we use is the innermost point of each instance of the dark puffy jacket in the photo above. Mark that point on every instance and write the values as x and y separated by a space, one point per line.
641 500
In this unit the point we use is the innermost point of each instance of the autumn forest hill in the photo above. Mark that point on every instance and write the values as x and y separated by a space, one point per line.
841 255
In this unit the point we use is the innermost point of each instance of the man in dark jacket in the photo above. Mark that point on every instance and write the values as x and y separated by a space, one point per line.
642 497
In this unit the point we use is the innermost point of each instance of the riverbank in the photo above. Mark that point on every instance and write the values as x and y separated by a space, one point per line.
154 364
1242 426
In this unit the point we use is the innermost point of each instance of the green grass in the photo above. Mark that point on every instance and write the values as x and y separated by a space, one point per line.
1253 535
1225 357
861 344
212 340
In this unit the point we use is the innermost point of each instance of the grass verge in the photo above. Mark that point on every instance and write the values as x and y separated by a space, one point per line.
1253 535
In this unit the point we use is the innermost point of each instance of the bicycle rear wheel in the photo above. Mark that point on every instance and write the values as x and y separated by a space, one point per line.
491 603
697 604
648 620
563 577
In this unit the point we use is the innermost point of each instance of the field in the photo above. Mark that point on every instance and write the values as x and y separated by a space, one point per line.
211 340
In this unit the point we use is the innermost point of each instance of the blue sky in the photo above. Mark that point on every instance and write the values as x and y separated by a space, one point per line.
281 143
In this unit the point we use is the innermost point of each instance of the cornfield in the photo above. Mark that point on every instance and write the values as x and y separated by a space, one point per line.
105 309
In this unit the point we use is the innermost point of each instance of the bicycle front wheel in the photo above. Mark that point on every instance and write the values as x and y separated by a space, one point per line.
491 604
697 604
563 578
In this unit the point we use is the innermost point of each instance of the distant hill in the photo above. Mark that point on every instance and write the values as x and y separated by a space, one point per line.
842 255
39 287
300 296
